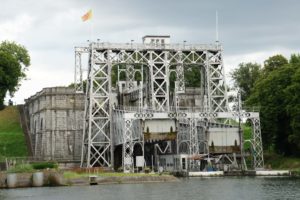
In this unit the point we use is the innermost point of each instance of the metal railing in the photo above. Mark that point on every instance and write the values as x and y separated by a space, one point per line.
142 46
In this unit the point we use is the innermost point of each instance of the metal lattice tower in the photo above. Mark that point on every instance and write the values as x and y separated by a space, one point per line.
257 144
158 62
78 79
97 142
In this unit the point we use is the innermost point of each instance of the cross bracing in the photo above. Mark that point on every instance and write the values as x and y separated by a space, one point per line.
105 126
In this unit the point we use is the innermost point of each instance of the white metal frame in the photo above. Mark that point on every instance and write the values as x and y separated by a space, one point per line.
98 137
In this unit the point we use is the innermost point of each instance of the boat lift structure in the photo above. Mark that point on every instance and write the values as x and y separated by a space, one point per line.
108 123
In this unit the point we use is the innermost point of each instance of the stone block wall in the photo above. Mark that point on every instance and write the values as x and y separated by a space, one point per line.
56 122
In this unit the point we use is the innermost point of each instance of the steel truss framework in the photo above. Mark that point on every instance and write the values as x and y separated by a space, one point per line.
160 61
78 83
188 134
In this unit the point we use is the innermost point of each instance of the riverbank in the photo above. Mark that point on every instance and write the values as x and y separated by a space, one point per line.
278 162
98 180
60 178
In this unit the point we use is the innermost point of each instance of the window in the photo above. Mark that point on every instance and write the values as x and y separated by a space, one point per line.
183 163
41 125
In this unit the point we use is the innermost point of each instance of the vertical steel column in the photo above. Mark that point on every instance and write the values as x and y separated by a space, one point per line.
97 147
257 144
194 144
128 147
130 71
78 81
180 74
159 69
217 89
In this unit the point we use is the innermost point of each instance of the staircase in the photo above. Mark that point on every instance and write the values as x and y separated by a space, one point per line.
25 127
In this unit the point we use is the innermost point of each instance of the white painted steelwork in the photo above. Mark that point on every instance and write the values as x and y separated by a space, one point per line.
105 127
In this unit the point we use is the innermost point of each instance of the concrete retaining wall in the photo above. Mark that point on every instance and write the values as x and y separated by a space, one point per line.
49 178
55 123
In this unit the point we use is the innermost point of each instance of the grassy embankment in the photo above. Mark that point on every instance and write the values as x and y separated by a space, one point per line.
273 160
12 140
73 175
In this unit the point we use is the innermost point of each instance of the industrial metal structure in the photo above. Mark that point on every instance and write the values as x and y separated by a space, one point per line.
144 110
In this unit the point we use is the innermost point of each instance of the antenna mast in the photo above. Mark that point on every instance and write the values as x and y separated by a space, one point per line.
217 27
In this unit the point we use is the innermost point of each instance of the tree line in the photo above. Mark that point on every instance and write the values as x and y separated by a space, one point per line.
274 87
14 60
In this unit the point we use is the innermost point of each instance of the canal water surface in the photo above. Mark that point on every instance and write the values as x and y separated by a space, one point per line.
224 188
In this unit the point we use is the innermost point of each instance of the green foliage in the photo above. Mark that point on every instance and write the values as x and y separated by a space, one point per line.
12 140
277 94
14 60
247 130
273 63
192 76
74 175
45 165
276 161
245 76
21 168
292 102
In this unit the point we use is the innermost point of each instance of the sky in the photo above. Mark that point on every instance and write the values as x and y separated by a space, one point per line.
250 31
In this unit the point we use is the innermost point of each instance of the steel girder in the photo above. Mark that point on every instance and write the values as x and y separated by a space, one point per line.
258 159
97 140
130 71
128 147
78 80
194 144
159 69
217 89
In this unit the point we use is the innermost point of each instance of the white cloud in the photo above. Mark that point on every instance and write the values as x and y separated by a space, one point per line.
232 61
12 29
50 30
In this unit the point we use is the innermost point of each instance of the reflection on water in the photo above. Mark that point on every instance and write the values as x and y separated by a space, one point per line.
187 189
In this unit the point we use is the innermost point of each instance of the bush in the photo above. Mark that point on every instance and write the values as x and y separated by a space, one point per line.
21 168
45 165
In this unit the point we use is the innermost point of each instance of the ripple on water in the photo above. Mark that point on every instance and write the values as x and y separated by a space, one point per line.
225 188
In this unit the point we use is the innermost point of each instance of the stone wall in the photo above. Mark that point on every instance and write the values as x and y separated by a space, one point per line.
56 122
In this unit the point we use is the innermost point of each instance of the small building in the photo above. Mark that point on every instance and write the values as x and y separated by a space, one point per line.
156 40
55 117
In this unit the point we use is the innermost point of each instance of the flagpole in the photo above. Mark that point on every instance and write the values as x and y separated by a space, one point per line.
92 29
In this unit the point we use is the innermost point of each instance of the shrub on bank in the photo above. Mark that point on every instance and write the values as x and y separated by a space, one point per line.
21 168
44 165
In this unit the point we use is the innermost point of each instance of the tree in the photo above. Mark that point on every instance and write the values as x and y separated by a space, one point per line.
273 63
14 60
293 105
277 94
192 76
245 76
